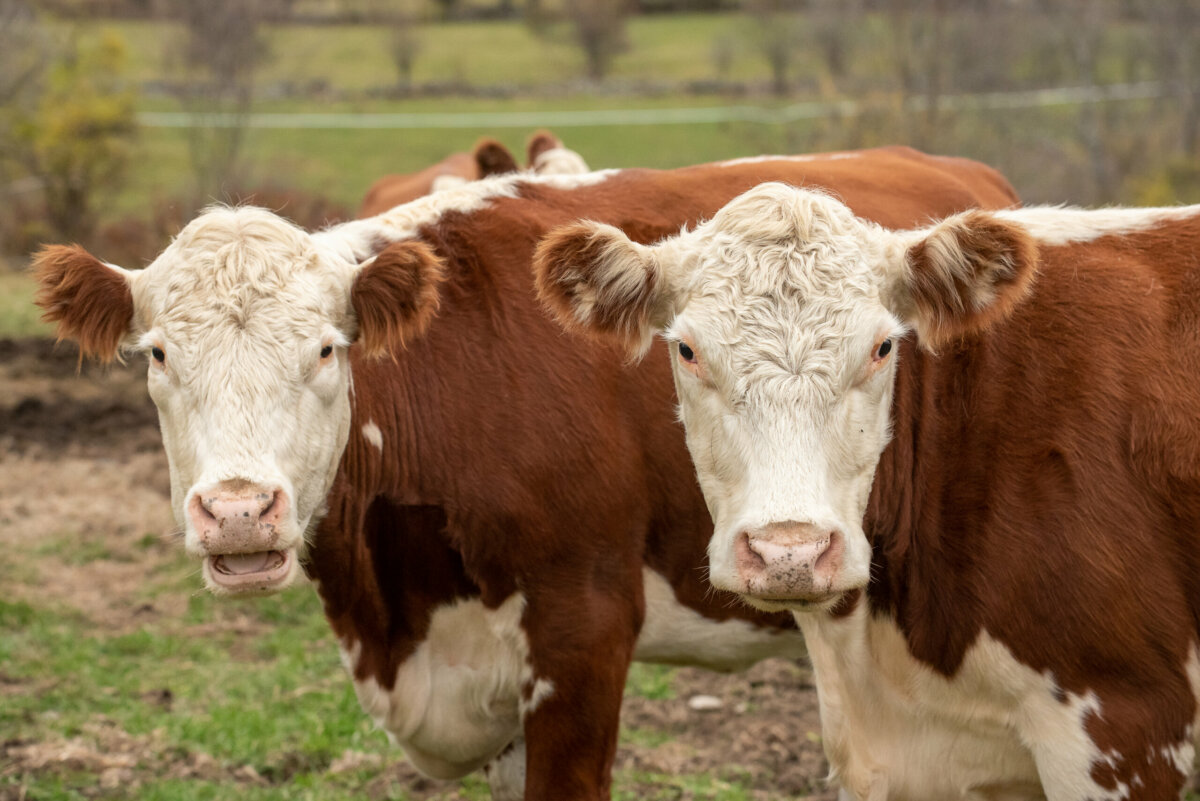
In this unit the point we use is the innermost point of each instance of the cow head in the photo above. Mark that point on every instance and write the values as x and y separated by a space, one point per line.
783 314
245 321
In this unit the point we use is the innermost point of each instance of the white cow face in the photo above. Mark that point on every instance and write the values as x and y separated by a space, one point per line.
783 314
245 321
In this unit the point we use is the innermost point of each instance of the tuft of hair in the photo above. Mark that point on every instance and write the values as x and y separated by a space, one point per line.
395 296
493 158
970 272
90 302
597 281
539 142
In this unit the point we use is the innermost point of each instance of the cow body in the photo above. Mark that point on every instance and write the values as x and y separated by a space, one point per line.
509 516
545 155
1028 499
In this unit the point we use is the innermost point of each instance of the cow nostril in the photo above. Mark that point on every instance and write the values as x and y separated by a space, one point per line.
202 507
748 558
272 502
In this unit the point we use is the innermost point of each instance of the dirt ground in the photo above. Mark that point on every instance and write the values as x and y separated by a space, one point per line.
82 443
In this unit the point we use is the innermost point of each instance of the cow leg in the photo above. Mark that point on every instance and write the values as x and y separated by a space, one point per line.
580 652
1118 746
506 773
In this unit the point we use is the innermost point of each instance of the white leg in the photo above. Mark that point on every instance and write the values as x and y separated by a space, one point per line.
506 773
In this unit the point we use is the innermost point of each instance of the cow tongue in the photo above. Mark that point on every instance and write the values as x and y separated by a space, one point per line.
241 563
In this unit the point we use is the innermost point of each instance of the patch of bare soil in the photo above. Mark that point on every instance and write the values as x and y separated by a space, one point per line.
82 473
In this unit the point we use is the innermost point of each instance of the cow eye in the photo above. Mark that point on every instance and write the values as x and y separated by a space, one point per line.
326 351
883 349
158 354
686 353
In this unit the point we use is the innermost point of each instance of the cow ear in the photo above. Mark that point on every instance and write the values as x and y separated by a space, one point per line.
493 158
395 296
598 281
964 274
540 142
91 302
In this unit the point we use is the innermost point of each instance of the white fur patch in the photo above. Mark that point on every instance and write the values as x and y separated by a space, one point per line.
373 435
805 157
1055 225
359 240
506 774
560 161
455 702
542 689
893 728
677 635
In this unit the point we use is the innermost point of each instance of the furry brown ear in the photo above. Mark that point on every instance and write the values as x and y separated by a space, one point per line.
90 301
969 272
596 280
395 296
493 158
539 142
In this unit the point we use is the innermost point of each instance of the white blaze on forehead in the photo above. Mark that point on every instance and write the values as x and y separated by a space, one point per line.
373 435
559 161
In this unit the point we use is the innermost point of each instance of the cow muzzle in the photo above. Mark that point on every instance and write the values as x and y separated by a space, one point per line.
794 565
240 528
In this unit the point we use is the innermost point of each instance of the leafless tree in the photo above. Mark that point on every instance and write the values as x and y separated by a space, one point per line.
220 50
1175 31
778 28
599 29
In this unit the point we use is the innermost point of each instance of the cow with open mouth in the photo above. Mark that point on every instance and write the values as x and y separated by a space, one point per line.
965 456
498 516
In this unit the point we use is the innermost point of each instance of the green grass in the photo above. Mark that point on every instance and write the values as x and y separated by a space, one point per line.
18 316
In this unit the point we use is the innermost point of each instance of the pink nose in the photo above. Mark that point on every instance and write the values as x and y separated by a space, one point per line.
237 517
786 561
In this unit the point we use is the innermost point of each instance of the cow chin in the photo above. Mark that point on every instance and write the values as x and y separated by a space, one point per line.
809 605
243 574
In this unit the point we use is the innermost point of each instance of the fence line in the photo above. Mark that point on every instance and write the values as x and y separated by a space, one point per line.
1034 98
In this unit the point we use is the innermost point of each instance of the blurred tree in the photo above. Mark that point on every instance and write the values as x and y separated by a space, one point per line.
1175 28
220 50
777 28
599 29
78 140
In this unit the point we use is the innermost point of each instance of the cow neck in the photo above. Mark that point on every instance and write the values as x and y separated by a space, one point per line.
379 555
920 536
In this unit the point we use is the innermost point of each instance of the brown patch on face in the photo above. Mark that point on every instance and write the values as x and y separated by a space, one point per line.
970 272
91 303
396 296
587 276
493 158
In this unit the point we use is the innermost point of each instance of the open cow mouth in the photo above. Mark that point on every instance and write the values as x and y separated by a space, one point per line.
261 571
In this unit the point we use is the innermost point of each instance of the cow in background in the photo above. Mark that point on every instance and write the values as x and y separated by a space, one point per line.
545 155
966 456
498 516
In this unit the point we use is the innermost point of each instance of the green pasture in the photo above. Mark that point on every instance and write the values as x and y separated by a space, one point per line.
252 692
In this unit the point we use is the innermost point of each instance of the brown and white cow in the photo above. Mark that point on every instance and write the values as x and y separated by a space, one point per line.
545 155
967 456
498 516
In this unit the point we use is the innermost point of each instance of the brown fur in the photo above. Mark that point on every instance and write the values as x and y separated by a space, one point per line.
564 267
395 297
493 158
1043 485
91 303
539 142
517 456
970 272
